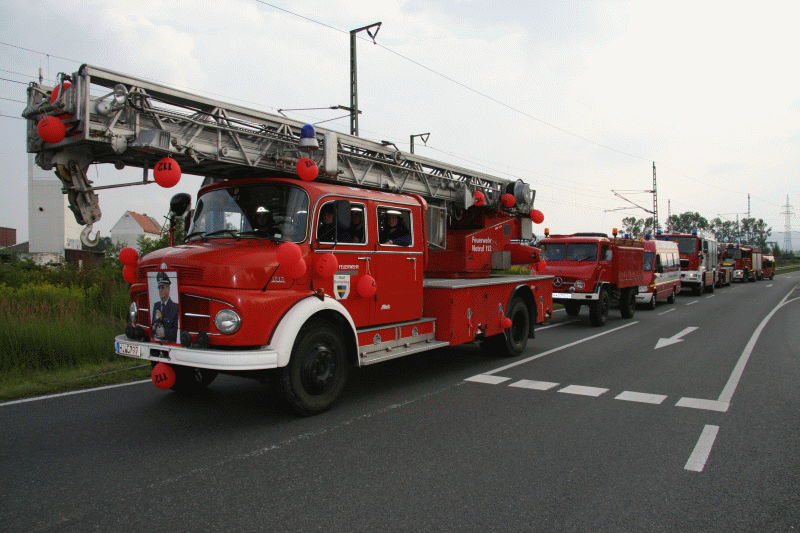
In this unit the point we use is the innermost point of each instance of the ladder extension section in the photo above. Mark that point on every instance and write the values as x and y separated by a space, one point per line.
126 121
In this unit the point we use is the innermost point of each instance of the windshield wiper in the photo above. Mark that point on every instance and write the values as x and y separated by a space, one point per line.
202 235
262 234
235 234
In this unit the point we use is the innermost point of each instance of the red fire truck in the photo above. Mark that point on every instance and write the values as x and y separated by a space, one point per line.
699 259
725 267
594 270
768 266
747 262
307 252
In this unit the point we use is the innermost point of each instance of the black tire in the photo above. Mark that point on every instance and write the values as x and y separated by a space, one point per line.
652 303
598 311
189 380
627 303
697 291
572 309
671 297
317 369
512 341
710 288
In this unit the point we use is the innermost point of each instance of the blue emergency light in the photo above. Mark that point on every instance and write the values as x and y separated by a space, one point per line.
308 138
647 236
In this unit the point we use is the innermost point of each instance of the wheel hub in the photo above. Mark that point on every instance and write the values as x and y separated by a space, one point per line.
319 369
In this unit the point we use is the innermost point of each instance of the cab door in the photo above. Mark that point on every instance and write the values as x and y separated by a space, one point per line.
397 268
342 283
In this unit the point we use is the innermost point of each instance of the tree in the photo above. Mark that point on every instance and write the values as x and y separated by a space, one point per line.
637 226
725 230
146 245
686 222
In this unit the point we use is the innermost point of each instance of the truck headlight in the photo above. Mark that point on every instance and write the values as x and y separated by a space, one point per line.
579 285
133 312
227 321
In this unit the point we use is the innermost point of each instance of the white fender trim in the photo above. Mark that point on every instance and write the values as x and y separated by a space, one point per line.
289 326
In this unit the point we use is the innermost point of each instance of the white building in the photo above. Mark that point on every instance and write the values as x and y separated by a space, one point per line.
51 225
131 226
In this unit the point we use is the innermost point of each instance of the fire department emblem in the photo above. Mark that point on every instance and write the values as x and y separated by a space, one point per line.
341 286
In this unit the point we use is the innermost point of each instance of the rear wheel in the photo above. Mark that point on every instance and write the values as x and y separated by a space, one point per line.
627 303
671 297
598 311
512 341
317 369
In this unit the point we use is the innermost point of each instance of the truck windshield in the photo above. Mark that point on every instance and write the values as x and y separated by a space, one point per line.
570 252
261 211
686 245
733 253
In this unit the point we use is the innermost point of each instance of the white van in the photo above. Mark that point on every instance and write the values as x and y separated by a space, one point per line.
662 272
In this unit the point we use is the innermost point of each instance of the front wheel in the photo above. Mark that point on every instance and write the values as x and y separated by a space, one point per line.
652 303
627 302
598 311
512 341
317 369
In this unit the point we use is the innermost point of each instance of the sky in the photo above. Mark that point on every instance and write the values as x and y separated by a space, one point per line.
579 98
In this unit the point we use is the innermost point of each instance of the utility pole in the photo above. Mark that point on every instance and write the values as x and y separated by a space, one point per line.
655 201
354 77
787 228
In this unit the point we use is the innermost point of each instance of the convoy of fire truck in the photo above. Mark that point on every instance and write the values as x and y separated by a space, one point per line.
308 251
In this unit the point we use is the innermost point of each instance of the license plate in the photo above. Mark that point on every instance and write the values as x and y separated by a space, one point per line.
128 349
562 295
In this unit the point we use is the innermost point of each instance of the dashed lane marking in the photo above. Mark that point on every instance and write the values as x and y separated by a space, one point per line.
694 302
535 385
485 378
583 391
665 312
642 397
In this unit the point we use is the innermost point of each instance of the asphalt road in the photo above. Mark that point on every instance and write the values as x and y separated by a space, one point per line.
684 418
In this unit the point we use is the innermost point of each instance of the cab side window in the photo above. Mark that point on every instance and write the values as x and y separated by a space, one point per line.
358 229
394 226
329 229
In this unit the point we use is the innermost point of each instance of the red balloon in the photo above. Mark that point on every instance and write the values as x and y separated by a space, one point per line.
167 172
506 322
163 376
307 169
129 273
508 200
480 198
54 94
537 216
366 286
51 130
288 253
54 97
128 256
296 269
327 265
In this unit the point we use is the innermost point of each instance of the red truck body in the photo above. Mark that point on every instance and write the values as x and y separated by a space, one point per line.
746 260
594 270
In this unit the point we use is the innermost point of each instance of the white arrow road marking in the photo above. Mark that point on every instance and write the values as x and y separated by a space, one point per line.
672 340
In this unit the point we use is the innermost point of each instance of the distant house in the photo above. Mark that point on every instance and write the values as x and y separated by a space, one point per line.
131 226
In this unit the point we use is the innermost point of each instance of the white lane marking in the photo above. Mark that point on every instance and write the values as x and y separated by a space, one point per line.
583 391
675 338
694 302
556 325
548 352
665 312
642 397
770 285
59 395
711 296
697 461
486 378
733 381
708 405
535 385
